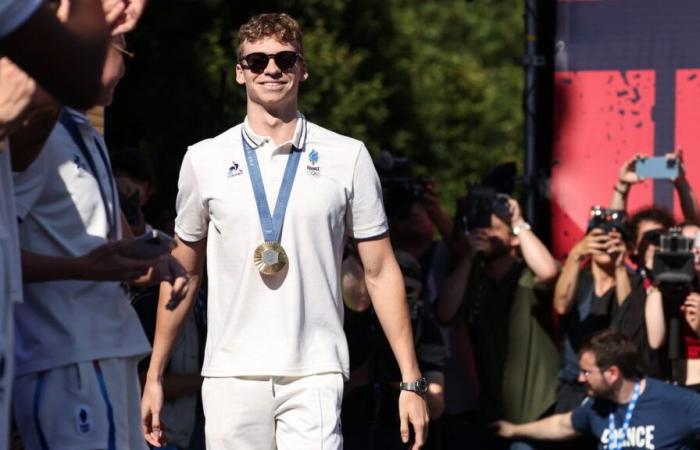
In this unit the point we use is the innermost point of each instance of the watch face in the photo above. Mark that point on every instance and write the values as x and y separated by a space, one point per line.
422 386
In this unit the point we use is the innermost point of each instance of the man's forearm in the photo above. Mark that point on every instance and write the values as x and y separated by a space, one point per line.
169 323
537 257
38 268
386 290
553 428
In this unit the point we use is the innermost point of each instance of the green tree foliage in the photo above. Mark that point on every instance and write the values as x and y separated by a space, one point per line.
436 81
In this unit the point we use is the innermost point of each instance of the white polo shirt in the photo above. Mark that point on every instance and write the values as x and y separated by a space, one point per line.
14 13
289 324
62 214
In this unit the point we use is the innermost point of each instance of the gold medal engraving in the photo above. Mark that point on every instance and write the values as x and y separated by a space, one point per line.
270 258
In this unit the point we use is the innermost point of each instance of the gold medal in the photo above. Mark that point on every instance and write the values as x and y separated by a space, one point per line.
270 258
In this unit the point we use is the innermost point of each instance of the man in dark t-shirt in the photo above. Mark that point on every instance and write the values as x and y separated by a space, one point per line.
624 410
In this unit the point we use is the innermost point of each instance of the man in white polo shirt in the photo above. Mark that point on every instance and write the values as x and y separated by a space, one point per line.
78 340
276 354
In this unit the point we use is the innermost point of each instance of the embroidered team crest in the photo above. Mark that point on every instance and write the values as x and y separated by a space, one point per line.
234 170
313 168
83 419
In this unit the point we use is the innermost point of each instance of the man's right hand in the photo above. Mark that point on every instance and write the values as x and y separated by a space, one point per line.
105 263
151 406
504 429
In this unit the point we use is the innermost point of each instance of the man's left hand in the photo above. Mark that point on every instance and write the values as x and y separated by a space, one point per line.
414 410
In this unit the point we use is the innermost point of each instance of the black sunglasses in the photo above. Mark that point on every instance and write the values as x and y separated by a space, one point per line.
257 62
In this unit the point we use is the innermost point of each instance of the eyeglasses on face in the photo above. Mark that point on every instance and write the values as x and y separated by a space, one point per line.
257 62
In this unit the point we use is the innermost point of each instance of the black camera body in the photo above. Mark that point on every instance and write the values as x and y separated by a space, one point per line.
674 260
674 273
474 211
606 219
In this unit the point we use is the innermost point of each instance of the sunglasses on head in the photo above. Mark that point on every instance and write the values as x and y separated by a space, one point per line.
257 62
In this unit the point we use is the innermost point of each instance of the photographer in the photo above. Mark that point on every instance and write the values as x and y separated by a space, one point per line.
629 177
506 301
657 313
593 285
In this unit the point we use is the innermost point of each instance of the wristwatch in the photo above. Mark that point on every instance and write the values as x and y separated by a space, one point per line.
519 228
420 386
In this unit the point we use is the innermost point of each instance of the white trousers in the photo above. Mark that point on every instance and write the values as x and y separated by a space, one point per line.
85 406
268 413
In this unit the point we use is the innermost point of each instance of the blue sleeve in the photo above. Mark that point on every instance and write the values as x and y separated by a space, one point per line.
580 417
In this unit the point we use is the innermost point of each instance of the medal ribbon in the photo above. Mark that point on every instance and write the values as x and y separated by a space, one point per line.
69 124
614 444
272 225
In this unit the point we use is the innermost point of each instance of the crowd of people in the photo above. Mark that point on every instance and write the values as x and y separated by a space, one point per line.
538 354
306 300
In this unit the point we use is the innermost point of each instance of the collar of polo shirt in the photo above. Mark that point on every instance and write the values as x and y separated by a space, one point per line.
256 141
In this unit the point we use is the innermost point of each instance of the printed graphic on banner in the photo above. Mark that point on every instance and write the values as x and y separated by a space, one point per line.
627 81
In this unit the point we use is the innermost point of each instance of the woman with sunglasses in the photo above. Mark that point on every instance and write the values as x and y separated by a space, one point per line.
269 203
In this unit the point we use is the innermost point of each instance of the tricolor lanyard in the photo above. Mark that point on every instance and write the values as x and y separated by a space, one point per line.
72 127
272 225
616 443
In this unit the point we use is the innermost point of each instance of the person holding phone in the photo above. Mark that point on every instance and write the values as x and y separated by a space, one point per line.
593 285
276 354
669 167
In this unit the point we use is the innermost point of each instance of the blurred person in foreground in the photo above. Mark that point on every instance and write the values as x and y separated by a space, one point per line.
65 55
506 301
78 339
624 409
276 354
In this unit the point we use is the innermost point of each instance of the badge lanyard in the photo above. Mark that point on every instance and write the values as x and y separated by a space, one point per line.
69 123
614 444
272 225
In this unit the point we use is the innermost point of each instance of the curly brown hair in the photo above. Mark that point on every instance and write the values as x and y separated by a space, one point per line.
279 26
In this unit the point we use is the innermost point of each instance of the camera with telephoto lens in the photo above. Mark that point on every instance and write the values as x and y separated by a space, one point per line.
475 210
606 219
